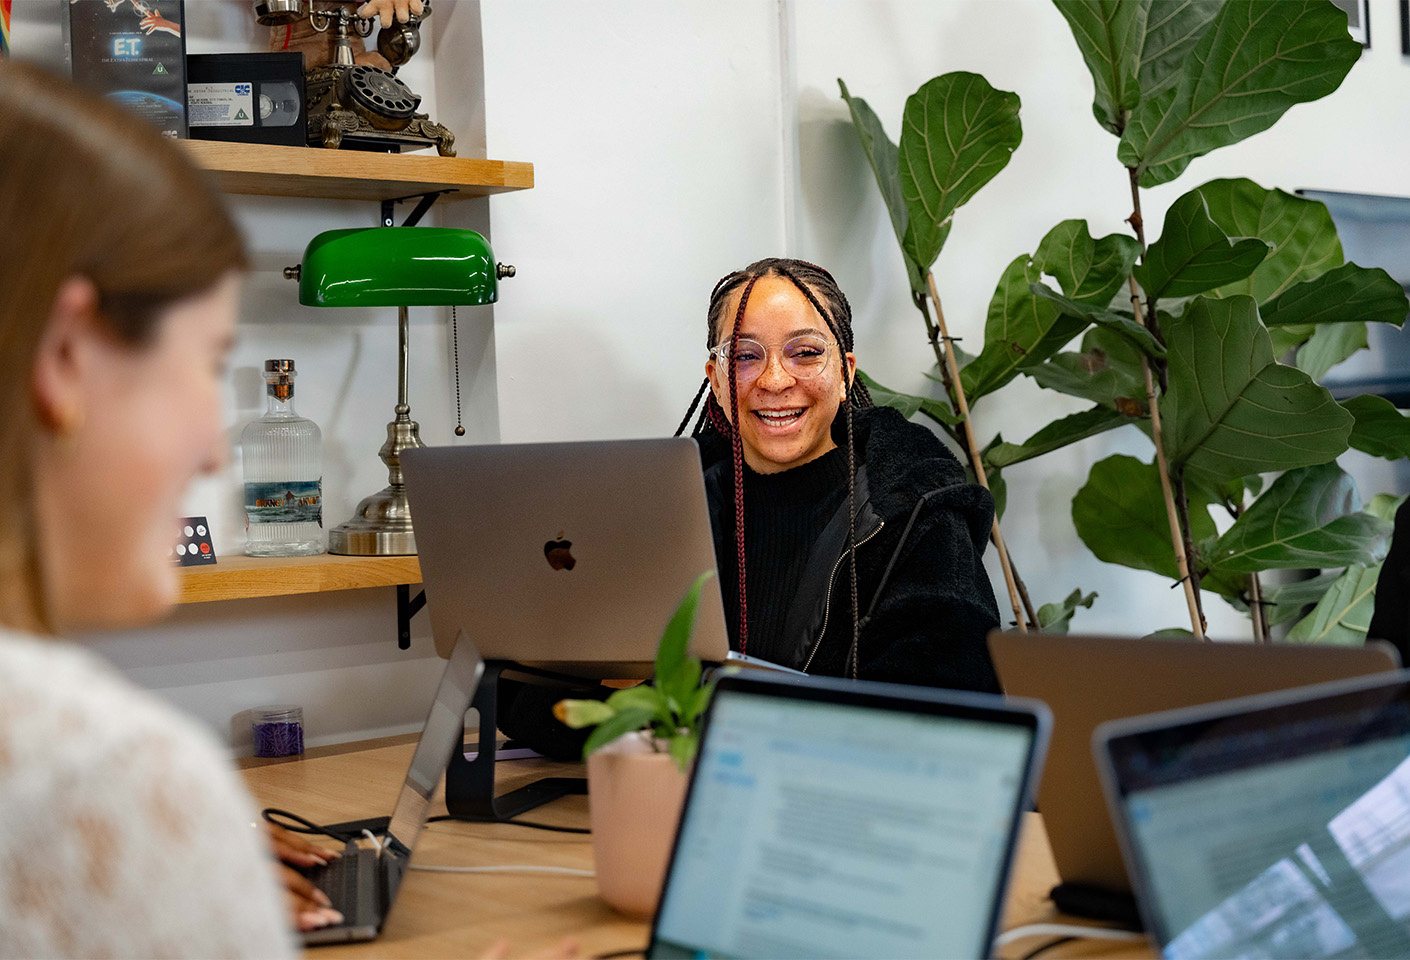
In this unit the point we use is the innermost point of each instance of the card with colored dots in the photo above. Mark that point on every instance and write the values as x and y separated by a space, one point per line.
193 545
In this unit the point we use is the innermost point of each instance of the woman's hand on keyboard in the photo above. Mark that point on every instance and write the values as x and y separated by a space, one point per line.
295 849
308 906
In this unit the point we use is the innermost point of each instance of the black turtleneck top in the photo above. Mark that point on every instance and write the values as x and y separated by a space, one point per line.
784 513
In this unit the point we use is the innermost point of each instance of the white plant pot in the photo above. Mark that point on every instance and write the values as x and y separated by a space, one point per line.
634 798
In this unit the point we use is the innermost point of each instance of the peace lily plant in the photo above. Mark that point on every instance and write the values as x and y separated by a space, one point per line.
667 711
1210 338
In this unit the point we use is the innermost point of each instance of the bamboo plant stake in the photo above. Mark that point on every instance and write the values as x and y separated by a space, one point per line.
974 453
1177 539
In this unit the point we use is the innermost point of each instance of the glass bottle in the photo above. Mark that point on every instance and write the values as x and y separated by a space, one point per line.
283 459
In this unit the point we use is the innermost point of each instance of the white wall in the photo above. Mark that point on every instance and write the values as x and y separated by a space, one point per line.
665 155
645 327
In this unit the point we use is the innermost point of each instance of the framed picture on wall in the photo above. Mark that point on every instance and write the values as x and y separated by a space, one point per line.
1405 26
1358 19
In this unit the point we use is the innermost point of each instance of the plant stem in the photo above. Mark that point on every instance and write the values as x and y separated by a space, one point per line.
1255 607
1177 538
975 459
1176 510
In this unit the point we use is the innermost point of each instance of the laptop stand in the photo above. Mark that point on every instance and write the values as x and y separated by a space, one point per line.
470 791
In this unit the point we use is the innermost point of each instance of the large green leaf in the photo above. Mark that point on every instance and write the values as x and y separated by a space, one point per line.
1089 271
1193 255
1231 410
1109 34
1380 429
1173 28
1139 336
1020 330
1134 48
1055 617
1107 371
1120 516
957 133
1345 294
910 404
1304 239
1255 61
1287 601
885 162
1056 435
1308 519
1329 345
1343 615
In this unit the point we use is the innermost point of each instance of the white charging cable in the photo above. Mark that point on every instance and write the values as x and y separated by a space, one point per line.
561 871
1065 930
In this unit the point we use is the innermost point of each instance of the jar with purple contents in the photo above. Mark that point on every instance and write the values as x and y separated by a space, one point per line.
278 730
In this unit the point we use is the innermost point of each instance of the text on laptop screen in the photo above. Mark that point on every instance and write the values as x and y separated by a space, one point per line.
823 829
1287 838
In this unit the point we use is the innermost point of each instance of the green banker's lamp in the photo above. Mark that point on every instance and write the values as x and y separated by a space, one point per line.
399 267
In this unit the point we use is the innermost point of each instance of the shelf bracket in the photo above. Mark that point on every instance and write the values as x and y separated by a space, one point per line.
424 201
407 607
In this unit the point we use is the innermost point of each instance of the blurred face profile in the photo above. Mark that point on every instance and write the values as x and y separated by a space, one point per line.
129 427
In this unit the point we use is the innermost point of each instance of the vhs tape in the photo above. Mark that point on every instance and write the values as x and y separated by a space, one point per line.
246 97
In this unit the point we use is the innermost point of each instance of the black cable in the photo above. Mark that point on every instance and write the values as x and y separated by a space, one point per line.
297 824
1044 948
513 823
634 952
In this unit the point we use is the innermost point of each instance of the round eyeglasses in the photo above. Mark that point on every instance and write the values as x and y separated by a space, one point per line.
803 357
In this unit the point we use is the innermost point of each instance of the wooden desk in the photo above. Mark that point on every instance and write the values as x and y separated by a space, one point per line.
444 914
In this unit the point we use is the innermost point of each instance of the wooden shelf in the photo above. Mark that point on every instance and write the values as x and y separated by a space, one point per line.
239 577
275 171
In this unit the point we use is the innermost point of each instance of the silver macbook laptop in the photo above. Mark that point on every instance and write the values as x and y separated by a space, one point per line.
565 556
834 818
364 882
1272 826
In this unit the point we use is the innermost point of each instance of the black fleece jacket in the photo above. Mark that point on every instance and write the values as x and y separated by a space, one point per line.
915 515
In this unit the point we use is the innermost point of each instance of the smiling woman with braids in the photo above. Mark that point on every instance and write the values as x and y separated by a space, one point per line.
848 540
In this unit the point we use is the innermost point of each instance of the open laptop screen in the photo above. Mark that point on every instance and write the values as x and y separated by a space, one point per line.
822 827
1278 830
442 735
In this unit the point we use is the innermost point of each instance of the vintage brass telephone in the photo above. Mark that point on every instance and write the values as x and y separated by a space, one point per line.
358 105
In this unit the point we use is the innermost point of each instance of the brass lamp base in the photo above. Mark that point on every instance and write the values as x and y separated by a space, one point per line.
381 525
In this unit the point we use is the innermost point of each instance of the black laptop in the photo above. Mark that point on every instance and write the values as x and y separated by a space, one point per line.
363 883
834 818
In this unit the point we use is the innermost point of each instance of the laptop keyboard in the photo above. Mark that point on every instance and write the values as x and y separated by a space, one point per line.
340 880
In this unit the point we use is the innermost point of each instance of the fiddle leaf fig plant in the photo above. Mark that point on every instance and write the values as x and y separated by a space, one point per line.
666 710
1210 338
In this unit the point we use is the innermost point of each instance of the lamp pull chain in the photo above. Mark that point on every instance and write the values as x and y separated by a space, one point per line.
455 352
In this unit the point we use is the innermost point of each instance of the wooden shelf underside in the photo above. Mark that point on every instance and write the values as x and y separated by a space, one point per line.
239 577
276 171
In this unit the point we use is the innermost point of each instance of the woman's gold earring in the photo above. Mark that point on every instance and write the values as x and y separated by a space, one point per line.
67 421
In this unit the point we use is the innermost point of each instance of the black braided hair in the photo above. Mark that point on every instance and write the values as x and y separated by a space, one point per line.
827 298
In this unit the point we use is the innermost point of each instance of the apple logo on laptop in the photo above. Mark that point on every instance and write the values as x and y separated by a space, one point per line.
559 553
